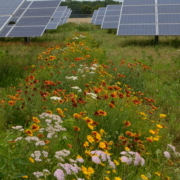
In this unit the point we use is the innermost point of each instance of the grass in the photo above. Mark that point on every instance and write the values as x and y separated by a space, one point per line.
114 95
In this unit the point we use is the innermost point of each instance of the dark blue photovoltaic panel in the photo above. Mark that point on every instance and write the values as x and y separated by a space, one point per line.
169 9
52 26
3 21
31 21
168 2
40 12
100 16
9 7
19 12
128 30
61 8
113 13
169 18
58 14
25 4
138 9
139 2
5 31
44 4
169 29
111 18
138 19
113 7
27 31
110 25
94 16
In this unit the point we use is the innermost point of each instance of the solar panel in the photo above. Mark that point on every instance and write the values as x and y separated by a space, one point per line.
3 21
99 16
169 8
5 31
7 10
111 17
35 31
138 2
31 19
169 29
130 30
138 19
169 18
138 9
168 1
94 16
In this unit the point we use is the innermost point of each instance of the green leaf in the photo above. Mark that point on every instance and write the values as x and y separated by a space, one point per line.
19 161
18 175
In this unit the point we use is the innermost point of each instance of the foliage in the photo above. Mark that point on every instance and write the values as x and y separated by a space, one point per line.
82 113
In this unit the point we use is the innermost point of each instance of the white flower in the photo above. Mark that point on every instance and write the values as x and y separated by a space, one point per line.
93 95
40 143
18 139
46 172
75 87
55 98
72 77
32 138
45 153
92 68
38 174
59 174
16 127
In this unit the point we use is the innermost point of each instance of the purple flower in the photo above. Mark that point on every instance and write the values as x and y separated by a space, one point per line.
96 159
126 159
59 174
166 154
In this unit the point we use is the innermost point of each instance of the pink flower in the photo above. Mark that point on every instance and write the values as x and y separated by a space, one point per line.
96 159
166 154
59 174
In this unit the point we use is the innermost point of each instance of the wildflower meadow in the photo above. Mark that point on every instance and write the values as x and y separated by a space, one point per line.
77 115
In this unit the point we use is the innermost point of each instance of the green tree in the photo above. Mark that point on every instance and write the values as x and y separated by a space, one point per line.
86 9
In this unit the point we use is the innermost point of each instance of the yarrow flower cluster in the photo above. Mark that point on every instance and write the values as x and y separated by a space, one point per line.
130 157
99 156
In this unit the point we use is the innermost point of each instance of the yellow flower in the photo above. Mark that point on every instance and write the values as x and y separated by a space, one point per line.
29 132
106 178
36 120
116 162
144 177
157 173
114 171
25 177
90 127
102 145
86 144
117 178
87 171
31 159
35 127
90 138
162 115
152 131
108 172
127 149
159 126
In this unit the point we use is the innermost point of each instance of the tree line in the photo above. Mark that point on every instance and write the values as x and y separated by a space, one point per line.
86 7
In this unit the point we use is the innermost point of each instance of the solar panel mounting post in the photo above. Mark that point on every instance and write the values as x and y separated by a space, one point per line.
27 39
156 39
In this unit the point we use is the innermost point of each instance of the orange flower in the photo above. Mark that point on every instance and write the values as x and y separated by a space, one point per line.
127 123
36 120
130 133
76 128
111 105
35 127
77 116
11 103
29 132
100 113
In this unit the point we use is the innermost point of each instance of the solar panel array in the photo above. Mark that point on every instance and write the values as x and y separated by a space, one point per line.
20 18
141 17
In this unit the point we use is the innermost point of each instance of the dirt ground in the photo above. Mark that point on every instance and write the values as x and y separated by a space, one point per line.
79 20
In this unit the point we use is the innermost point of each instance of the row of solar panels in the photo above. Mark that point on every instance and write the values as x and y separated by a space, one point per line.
20 18
140 17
